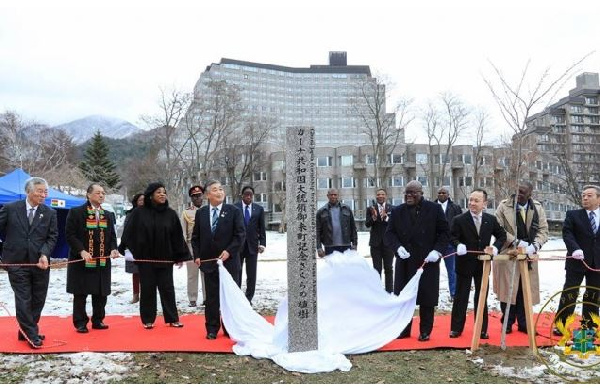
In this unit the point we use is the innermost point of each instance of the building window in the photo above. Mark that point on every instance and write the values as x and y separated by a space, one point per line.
346 182
439 182
349 203
371 182
278 165
370 159
397 181
421 158
324 161
465 181
346 160
591 100
279 186
395 158
577 119
260 176
576 109
467 158
262 198
277 208
422 180
323 183
441 159
397 201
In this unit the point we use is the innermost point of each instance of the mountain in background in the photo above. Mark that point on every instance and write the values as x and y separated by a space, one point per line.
84 129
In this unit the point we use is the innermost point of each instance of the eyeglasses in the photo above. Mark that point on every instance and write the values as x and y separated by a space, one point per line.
196 195
413 193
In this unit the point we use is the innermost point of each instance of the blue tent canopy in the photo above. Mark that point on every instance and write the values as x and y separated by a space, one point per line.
12 188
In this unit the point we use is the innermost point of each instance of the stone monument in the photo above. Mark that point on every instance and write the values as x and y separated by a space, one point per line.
301 203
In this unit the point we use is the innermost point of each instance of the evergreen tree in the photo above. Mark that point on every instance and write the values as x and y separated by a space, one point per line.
96 165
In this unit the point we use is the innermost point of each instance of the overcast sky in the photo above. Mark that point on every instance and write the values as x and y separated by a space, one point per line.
60 60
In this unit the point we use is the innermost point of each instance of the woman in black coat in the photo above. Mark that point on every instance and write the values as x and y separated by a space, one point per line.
130 266
154 232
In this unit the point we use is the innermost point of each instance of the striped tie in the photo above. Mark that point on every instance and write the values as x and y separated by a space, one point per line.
593 222
215 220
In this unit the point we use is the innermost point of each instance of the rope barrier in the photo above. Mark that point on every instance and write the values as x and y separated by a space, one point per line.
57 343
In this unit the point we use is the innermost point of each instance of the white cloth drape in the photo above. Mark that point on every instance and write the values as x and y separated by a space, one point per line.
355 315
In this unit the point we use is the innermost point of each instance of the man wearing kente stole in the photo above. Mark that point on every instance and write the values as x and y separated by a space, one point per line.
90 232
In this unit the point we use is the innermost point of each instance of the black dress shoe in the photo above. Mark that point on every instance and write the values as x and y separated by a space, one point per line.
484 335
523 329
211 336
423 337
455 334
192 304
82 329
99 326
36 343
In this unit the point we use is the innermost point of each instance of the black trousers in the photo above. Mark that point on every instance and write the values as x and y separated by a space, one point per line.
212 307
426 314
251 263
461 302
383 259
153 277
30 285
568 298
80 317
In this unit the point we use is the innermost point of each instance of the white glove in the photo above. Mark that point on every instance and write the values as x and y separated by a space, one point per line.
523 244
403 253
461 249
530 250
433 256
494 250
578 254
128 255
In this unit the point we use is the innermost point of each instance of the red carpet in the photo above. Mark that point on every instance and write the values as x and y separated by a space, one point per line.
126 334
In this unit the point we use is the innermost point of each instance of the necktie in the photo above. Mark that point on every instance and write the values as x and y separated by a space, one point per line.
593 222
477 223
247 215
215 220
30 215
522 211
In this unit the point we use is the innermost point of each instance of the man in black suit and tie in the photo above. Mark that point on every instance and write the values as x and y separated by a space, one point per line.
472 231
382 256
418 232
30 232
582 238
256 238
218 234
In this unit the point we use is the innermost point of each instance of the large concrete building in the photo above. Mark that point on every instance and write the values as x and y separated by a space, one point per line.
325 97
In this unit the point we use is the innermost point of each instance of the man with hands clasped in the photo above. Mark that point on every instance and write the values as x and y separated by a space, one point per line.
472 232
418 231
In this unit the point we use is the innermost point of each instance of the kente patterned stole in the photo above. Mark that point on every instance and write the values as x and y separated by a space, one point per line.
91 223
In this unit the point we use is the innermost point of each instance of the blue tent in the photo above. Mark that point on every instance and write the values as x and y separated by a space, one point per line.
12 188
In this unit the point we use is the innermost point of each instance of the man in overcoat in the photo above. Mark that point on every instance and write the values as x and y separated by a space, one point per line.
418 233
91 236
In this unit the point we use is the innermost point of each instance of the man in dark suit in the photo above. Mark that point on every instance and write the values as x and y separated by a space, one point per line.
30 232
382 256
218 234
256 238
451 210
472 231
91 236
418 232
581 233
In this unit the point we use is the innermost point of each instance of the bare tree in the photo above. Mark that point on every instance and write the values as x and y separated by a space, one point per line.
385 130
444 124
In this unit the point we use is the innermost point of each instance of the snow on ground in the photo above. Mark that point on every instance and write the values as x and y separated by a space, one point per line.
271 287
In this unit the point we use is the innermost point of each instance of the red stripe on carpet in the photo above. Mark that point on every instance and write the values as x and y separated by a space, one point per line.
126 334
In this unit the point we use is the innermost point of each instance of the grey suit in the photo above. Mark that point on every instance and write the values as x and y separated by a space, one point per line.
24 244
